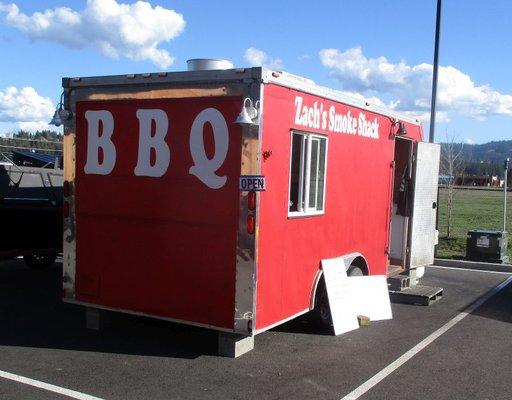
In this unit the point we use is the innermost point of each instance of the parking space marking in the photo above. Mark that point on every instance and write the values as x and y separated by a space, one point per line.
47 386
472 270
374 380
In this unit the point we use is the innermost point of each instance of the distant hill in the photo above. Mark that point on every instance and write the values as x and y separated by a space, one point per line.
492 152
483 159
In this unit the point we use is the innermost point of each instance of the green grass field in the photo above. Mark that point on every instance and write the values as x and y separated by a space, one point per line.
472 209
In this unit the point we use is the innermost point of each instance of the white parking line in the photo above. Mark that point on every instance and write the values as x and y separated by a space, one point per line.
471 270
374 380
47 386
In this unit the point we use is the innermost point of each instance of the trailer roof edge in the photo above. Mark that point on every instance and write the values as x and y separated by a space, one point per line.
292 81
262 74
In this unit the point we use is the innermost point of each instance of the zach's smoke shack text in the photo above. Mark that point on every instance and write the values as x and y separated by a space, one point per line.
319 117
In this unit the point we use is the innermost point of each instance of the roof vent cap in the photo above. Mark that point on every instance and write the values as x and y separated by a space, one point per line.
205 64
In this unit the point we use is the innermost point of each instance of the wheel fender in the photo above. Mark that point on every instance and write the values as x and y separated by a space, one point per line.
348 259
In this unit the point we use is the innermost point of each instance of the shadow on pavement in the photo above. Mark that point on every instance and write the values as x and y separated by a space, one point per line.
33 315
303 324
498 307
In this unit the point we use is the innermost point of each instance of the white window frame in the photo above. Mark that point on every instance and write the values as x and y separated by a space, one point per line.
303 192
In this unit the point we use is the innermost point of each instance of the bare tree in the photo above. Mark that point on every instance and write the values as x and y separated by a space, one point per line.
452 165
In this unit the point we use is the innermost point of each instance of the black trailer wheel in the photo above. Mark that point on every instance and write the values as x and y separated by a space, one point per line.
321 314
39 261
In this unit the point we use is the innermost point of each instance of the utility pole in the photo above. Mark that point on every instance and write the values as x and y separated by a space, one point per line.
434 78
434 94
505 196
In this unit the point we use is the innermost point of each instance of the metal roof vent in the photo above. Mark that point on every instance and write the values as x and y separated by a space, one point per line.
205 64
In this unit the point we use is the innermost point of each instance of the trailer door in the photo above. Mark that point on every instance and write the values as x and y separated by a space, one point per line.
423 222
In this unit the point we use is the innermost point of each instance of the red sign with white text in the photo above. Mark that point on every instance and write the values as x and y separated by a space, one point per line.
158 206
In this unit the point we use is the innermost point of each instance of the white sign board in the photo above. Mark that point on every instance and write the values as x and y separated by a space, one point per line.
344 317
370 296
353 296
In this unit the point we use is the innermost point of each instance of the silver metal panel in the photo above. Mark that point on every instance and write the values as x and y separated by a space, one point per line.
206 64
247 244
69 229
423 224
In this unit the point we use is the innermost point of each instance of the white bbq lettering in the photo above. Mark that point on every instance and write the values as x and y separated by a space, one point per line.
153 129
204 168
147 141
97 140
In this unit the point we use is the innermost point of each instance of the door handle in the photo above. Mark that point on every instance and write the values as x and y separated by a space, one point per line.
434 205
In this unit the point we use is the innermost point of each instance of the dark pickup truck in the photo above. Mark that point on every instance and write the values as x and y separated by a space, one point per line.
30 214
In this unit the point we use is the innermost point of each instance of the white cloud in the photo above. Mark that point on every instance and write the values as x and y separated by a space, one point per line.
116 29
257 58
26 108
410 86
469 141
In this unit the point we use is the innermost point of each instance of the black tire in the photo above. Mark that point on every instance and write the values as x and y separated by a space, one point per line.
354 270
321 314
39 261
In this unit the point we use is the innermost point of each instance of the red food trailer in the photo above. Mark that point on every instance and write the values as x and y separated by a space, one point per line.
210 197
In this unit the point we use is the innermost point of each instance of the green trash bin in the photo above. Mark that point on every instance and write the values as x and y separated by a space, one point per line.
487 245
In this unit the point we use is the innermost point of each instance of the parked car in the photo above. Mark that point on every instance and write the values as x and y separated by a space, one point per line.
31 214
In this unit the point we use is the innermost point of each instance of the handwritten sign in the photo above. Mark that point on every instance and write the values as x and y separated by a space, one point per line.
344 317
370 296
353 296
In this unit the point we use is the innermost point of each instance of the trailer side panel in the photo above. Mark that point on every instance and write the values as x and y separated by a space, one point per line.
356 214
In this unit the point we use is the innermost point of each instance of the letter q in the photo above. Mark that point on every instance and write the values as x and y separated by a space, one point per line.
204 168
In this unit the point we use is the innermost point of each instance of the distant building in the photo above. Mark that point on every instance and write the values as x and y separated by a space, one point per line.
476 180
471 180
444 179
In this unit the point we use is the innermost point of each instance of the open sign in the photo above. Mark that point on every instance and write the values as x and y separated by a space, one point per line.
252 182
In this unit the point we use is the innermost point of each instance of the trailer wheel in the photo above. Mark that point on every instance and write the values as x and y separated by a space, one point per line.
354 270
39 261
321 314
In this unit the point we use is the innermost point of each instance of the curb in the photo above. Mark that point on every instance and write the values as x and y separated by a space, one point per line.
482 266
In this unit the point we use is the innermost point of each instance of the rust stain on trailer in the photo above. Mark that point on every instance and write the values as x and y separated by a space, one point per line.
166 93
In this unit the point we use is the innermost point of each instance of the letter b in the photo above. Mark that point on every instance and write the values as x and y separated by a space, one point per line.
147 141
95 142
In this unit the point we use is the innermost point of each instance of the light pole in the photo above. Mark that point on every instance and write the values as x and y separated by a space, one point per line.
434 95
505 196
434 78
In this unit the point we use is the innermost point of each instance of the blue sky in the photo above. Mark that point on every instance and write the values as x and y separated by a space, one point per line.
380 49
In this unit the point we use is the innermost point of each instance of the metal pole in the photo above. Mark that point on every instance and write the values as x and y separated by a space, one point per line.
505 196
434 79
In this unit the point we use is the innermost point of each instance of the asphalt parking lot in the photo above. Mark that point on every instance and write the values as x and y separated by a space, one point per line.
137 358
